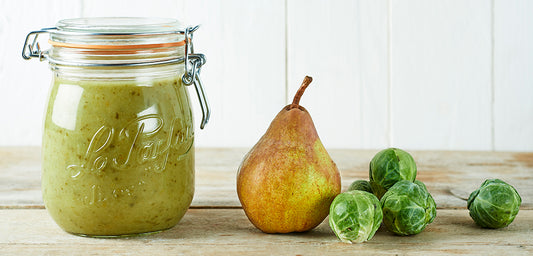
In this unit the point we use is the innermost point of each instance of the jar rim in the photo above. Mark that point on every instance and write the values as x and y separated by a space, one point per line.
121 41
116 32
153 43
119 25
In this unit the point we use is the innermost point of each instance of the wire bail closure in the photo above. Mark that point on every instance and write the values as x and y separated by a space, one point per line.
192 74
193 62
34 49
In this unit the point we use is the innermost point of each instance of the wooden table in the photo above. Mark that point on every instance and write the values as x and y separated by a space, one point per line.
215 223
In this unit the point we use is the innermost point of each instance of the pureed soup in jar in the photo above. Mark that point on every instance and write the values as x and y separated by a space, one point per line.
118 142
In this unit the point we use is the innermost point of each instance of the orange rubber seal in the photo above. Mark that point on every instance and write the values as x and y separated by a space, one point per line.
116 47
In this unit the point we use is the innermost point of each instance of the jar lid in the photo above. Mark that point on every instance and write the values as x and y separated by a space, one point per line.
117 33
122 42
120 25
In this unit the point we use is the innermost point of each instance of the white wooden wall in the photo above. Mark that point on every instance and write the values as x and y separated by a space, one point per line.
415 74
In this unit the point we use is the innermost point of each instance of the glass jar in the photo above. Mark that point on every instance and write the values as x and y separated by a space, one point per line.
118 139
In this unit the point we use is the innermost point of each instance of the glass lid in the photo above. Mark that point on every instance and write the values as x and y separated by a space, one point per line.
120 25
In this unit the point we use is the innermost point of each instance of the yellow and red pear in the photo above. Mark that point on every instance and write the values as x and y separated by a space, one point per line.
287 181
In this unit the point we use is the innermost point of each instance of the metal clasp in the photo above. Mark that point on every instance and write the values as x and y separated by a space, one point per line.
33 50
192 73
192 63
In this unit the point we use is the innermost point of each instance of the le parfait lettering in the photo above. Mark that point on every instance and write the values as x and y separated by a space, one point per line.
143 142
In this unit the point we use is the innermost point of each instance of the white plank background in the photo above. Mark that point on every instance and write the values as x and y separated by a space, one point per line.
343 46
513 75
441 74
416 74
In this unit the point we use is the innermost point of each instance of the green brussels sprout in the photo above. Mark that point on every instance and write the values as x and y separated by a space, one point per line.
407 208
362 185
388 167
494 205
355 216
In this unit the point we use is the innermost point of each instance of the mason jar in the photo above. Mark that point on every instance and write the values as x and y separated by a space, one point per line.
118 138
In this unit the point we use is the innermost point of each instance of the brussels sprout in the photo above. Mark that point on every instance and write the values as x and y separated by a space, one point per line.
362 185
388 167
494 205
355 216
408 208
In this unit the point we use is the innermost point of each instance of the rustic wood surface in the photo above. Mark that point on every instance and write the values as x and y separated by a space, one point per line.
228 232
215 224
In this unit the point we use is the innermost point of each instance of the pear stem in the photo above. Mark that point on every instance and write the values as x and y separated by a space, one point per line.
300 92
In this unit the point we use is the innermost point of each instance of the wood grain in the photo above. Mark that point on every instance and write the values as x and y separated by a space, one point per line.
227 231
448 175
215 224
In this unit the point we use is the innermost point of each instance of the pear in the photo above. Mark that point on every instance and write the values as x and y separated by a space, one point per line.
287 181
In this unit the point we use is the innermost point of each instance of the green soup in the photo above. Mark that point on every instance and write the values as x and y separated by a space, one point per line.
118 155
